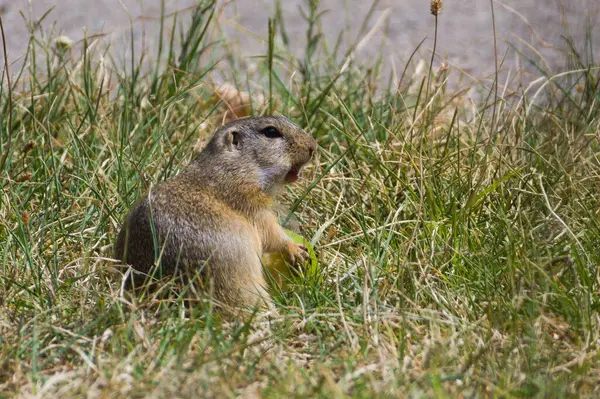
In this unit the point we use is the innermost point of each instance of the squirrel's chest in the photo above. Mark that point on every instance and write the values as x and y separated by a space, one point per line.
254 237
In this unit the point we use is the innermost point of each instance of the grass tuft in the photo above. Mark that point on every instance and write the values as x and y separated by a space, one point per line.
458 239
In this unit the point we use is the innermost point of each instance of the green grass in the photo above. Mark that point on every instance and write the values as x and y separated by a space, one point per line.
459 243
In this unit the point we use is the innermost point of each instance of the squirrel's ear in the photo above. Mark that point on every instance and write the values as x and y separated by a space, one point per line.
232 139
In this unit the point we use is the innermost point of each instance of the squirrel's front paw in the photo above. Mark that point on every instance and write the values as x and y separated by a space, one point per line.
298 253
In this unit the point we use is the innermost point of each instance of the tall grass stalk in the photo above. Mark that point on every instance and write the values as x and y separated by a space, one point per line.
6 148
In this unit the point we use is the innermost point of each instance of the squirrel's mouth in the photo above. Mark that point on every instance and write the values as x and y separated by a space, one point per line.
292 175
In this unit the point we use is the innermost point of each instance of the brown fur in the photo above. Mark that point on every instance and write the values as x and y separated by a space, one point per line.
215 218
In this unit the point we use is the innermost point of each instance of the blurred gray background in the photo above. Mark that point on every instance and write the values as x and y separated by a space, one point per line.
465 27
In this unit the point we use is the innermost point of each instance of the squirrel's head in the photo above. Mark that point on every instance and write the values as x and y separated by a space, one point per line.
272 147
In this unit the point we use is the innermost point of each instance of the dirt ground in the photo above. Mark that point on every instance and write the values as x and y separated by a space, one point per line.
465 27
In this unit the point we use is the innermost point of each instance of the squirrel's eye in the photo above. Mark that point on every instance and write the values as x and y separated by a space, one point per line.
271 132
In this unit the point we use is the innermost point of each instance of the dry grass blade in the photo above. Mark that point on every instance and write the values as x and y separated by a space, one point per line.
6 146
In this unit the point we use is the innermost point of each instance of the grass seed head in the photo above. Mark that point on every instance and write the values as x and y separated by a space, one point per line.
436 7
25 176
25 217
63 42
30 145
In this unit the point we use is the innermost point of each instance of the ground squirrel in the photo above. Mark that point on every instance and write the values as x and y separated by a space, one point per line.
215 218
